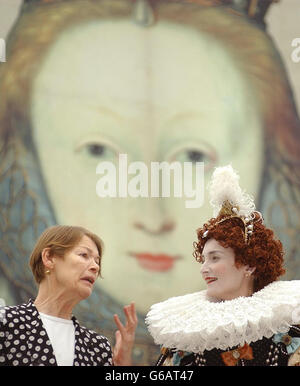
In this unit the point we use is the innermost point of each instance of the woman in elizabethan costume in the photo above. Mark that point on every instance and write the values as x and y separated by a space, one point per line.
245 316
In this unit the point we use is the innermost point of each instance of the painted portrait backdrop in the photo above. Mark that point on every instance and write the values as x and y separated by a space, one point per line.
158 81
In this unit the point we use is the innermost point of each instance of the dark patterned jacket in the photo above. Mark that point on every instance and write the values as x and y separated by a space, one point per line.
24 341
280 350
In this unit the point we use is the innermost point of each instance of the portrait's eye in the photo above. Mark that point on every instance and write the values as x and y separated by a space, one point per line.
195 156
97 150
207 156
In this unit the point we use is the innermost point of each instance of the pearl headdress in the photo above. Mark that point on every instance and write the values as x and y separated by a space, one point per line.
230 201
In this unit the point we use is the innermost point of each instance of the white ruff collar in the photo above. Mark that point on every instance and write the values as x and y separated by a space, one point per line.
193 323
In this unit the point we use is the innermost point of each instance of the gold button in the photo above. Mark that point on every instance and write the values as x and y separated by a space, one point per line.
286 339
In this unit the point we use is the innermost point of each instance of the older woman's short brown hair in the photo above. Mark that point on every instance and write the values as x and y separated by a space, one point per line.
60 239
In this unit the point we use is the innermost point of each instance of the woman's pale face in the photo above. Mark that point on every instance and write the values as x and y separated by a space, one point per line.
75 274
224 279
166 93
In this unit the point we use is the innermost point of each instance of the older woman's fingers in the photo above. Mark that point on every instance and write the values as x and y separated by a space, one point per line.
131 314
117 348
131 321
118 341
128 314
119 323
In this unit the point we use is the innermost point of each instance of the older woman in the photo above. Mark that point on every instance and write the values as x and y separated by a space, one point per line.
245 316
66 261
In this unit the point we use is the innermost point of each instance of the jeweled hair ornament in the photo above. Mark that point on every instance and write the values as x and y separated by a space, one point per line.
229 201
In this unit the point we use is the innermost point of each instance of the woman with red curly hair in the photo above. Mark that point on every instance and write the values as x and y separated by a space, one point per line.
246 316
229 234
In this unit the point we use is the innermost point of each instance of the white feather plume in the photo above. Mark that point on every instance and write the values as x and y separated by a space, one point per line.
224 186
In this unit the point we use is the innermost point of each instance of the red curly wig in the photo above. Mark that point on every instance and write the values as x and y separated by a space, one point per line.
263 251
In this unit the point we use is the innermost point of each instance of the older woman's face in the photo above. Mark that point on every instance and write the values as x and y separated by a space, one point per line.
166 93
75 273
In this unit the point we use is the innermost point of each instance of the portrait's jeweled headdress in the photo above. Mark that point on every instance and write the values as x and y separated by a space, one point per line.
229 201
143 11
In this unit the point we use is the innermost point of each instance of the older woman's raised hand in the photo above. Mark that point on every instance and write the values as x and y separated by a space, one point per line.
125 336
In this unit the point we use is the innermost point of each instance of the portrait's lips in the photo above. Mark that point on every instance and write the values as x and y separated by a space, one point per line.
155 262
210 279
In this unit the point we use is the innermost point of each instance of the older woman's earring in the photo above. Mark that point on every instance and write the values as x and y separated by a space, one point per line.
48 272
248 274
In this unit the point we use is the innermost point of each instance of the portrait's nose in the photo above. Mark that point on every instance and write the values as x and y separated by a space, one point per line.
153 220
155 229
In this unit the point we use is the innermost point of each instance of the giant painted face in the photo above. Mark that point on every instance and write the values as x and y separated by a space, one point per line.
167 93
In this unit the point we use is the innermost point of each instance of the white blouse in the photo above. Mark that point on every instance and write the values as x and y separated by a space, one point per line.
61 333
